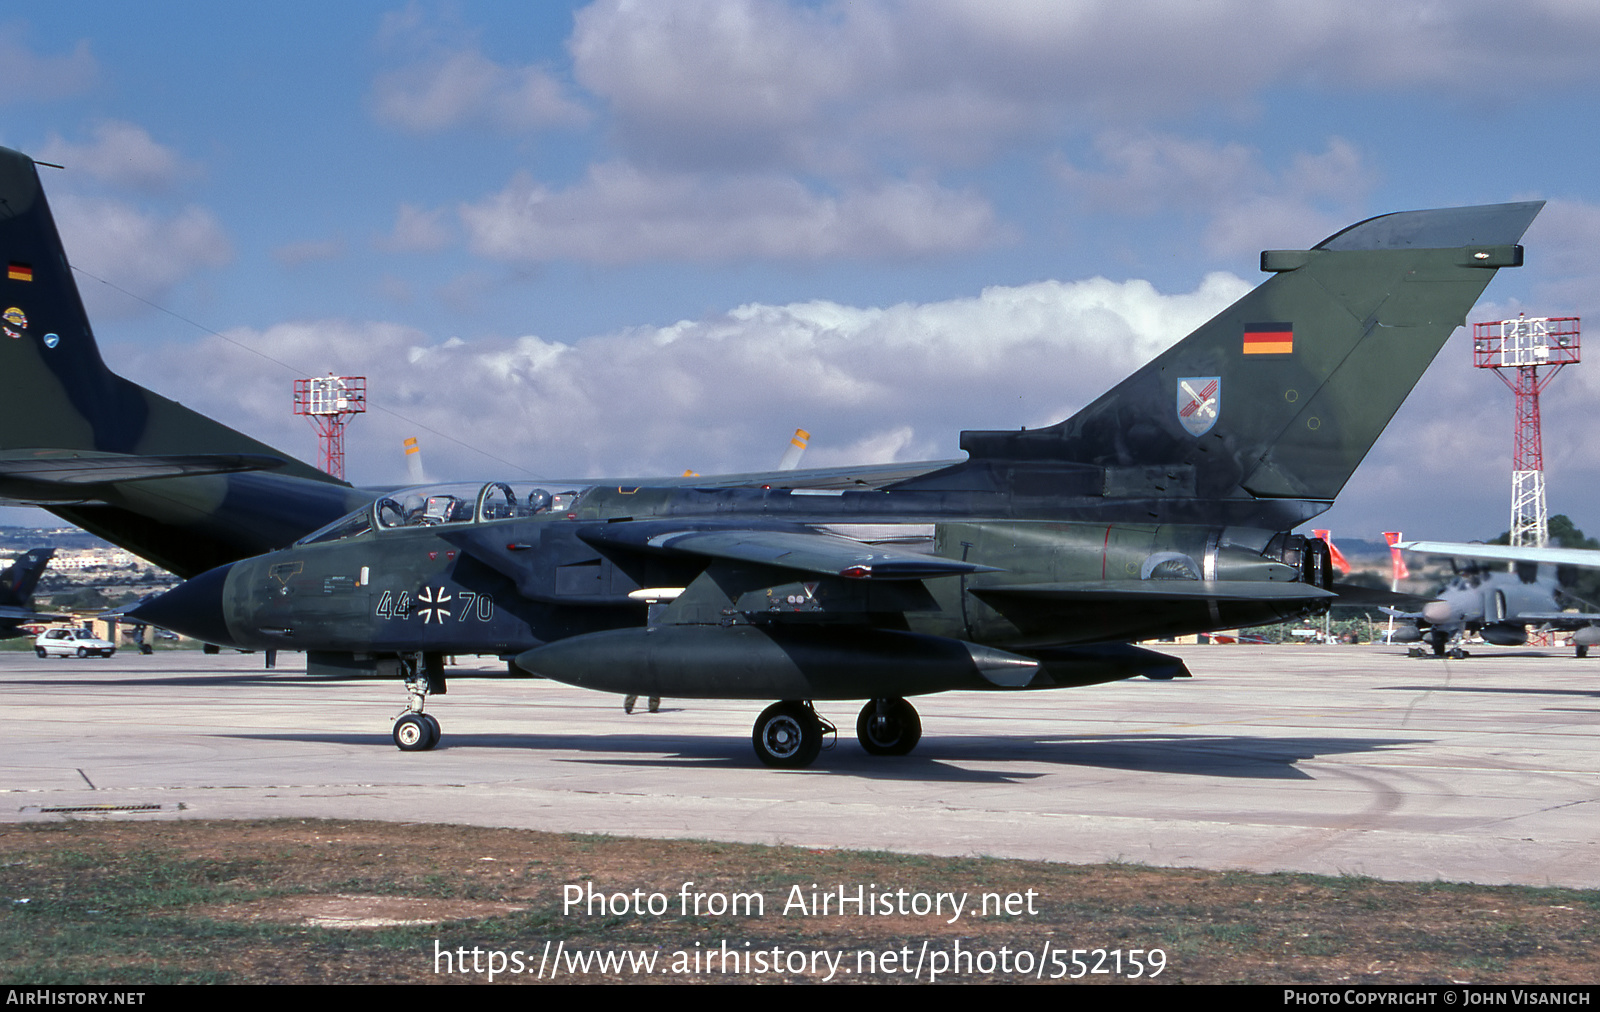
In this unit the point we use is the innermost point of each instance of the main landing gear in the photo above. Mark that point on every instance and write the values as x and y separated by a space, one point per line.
417 731
888 727
789 735
1439 641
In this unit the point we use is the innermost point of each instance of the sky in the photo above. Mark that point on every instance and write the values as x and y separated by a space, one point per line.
637 238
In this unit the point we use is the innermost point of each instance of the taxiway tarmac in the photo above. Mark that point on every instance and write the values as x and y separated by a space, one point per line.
1331 760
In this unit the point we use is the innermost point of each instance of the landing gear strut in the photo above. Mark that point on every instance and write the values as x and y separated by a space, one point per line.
416 731
888 727
789 735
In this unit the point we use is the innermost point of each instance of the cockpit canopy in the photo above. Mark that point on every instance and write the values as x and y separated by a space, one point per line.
449 505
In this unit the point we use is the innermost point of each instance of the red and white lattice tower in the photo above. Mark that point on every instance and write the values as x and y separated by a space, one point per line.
330 402
1522 347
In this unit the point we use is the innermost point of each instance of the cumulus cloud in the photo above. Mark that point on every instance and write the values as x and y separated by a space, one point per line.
759 82
142 251
1144 173
466 88
621 214
1568 258
724 83
447 83
121 155
34 78
717 394
417 230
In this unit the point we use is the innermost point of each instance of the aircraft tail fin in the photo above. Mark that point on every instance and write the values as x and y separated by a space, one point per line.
59 403
414 472
1282 394
795 450
22 576
55 390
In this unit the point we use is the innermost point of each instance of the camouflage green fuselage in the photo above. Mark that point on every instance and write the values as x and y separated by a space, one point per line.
505 586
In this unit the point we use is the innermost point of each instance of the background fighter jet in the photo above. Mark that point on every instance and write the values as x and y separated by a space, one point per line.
16 592
1500 605
1164 507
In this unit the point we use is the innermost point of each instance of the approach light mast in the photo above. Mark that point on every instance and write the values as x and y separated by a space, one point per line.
1522 347
331 402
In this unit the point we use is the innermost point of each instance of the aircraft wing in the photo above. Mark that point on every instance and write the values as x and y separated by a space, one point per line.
867 476
76 471
1158 590
1368 597
1397 613
12 613
1507 553
1557 616
810 552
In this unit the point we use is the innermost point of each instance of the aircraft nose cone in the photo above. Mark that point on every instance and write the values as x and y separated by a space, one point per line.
1438 611
193 608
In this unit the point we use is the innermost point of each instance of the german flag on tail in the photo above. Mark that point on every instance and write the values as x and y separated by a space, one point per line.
1268 338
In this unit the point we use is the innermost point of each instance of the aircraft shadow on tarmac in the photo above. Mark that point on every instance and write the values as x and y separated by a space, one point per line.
1240 756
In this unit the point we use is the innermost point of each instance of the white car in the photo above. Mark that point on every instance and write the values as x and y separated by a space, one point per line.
72 643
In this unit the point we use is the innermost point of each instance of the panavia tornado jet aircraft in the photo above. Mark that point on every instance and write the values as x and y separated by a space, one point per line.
1164 507
1501 604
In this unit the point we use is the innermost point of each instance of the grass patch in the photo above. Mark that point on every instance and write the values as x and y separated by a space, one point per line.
127 902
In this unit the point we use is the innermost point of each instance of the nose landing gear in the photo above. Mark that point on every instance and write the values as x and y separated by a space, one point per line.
417 731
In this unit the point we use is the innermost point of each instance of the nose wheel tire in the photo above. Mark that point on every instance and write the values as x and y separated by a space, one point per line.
787 735
416 732
888 727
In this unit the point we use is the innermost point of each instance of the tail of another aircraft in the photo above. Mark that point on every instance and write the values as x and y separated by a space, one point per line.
22 576
142 471
1276 400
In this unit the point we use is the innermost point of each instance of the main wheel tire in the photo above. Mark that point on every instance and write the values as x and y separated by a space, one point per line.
895 731
787 735
413 733
1583 650
434 732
